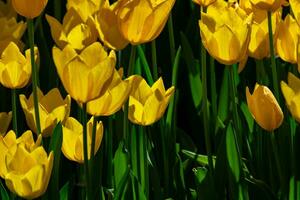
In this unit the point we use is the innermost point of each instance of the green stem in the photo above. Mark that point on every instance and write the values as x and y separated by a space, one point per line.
205 110
143 163
34 74
110 153
145 64
171 38
85 153
131 61
273 62
154 60
213 87
276 155
14 110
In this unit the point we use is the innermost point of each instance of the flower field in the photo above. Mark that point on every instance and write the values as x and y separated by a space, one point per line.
149 99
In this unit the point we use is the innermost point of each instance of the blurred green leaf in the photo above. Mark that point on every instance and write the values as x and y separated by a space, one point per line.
200 159
64 192
232 153
248 116
120 164
205 187
4 194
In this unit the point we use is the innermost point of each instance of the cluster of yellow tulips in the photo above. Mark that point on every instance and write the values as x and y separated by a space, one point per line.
87 71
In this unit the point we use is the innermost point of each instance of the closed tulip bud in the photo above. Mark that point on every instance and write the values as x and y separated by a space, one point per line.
95 71
287 40
204 3
113 99
9 143
264 108
15 68
225 32
29 8
85 8
52 109
72 145
291 93
73 31
295 6
107 25
11 31
147 104
28 171
259 47
5 119
141 21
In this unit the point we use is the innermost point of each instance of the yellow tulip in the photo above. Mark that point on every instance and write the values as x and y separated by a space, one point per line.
259 47
7 10
107 25
268 5
9 143
28 166
225 32
246 5
11 31
15 69
204 3
72 145
141 21
85 8
147 104
264 107
295 5
291 93
95 71
52 109
287 39
73 31
29 8
113 99
5 119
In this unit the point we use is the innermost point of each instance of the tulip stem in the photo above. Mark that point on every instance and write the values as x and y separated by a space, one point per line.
205 110
171 38
213 89
93 138
14 110
154 60
34 74
85 153
276 155
273 62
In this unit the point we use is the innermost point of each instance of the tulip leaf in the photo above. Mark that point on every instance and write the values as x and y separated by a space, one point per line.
145 64
200 159
232 153
120 165
4 194
55 146
193 67
64 192
205 187
248 116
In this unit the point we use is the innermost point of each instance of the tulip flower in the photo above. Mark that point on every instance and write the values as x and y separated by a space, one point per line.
5 119
268 5
106 23
29 8
225 32
52 109
291 93
287 39
147 104
73 31
113 99
95 71
15 69
85 8
72 145
295 5
9 143
11 31
264 107
141 21
204 3
259 47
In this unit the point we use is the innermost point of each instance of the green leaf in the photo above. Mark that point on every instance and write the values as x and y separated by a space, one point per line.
4 194
232 153
205 187
248 116
120 165
64 192
193 67
200 159
55 146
